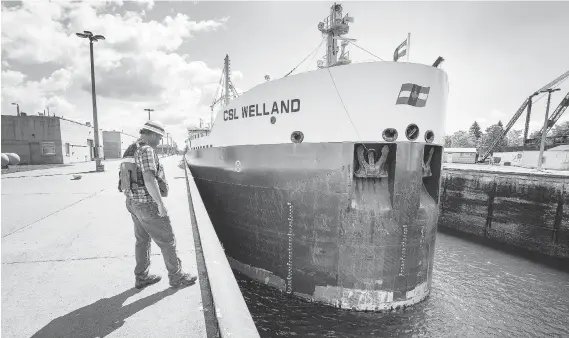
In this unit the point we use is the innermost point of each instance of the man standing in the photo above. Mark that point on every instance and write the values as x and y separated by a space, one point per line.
142 180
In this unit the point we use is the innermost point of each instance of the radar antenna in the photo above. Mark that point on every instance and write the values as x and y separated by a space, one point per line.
333 27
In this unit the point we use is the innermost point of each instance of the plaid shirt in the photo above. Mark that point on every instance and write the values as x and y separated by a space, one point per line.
146 159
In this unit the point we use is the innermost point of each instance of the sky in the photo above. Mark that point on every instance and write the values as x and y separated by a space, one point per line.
168 56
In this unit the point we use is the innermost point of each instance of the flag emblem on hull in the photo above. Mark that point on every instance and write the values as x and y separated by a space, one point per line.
413 95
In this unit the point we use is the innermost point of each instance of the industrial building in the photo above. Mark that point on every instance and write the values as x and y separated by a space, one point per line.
48 139
460 155
116 142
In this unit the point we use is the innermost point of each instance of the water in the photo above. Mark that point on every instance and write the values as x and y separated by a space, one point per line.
476 292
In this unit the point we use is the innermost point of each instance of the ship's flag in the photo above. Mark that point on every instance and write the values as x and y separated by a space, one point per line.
413 95
400 51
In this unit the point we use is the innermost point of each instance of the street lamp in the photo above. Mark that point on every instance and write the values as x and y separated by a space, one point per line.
149 110
94 38
17 108
544 130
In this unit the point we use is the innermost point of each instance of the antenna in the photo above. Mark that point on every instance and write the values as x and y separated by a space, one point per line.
334 26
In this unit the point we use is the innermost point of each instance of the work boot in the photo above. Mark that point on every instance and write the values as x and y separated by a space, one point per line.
184 279
149 280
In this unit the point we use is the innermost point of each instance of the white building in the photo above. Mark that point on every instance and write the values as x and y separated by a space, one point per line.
556 158
459 155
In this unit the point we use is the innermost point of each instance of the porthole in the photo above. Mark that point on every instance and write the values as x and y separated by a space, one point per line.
412 132
429 136
389 134
297 136
273 120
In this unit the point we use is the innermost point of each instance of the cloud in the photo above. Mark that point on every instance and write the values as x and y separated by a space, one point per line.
137 66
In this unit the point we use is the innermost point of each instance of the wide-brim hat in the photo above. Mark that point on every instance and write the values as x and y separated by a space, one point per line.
154 126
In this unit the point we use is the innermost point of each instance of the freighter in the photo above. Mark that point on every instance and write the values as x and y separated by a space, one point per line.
325 184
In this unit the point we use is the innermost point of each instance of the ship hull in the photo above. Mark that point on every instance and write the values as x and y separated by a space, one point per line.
298 217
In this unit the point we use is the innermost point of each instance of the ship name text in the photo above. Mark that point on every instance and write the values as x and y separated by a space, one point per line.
284 106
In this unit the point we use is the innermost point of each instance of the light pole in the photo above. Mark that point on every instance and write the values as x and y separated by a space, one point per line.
166 143
94 38
543 131
17 108
149 110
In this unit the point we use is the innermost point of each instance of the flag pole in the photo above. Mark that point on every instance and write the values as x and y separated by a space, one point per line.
408 45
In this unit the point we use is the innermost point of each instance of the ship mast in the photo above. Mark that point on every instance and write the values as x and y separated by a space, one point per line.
334 26
228 91
227 77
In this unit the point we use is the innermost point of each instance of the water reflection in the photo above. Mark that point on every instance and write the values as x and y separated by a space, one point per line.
476 292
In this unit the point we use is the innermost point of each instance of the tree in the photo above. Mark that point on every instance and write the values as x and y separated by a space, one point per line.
561 129
492 133
500 124
514 138
475 131
535 134
460 139
448 142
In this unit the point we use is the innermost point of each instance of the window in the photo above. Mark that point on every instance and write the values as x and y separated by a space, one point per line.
66 149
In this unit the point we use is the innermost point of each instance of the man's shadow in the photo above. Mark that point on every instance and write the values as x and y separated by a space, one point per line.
100 318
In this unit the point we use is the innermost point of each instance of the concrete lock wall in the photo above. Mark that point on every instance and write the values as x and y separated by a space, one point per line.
34 138
528 211
78 142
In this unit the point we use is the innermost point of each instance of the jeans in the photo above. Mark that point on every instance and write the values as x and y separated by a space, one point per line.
148 225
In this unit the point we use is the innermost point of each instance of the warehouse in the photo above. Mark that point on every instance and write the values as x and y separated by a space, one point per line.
41 139
460 155
116 142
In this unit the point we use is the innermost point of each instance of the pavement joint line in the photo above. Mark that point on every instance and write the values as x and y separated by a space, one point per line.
47 175
49 193
55 212
72 259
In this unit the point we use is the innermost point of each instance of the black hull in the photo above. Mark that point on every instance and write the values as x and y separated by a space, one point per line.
296 217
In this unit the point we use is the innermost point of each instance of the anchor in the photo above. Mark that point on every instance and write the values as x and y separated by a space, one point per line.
427 172
370 168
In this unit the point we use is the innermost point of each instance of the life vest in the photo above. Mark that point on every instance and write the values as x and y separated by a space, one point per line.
130 175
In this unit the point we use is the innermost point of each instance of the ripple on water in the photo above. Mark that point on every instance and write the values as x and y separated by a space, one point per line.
476 292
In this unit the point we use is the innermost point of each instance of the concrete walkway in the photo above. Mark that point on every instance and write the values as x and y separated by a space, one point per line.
68 259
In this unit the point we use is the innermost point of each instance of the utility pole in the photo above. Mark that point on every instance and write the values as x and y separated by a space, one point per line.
167 143
149 110
94 38
17 108
544 130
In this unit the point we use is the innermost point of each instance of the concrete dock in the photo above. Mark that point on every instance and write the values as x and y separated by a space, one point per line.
68 259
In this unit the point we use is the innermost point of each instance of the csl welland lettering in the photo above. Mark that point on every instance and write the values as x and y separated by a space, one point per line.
278 107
